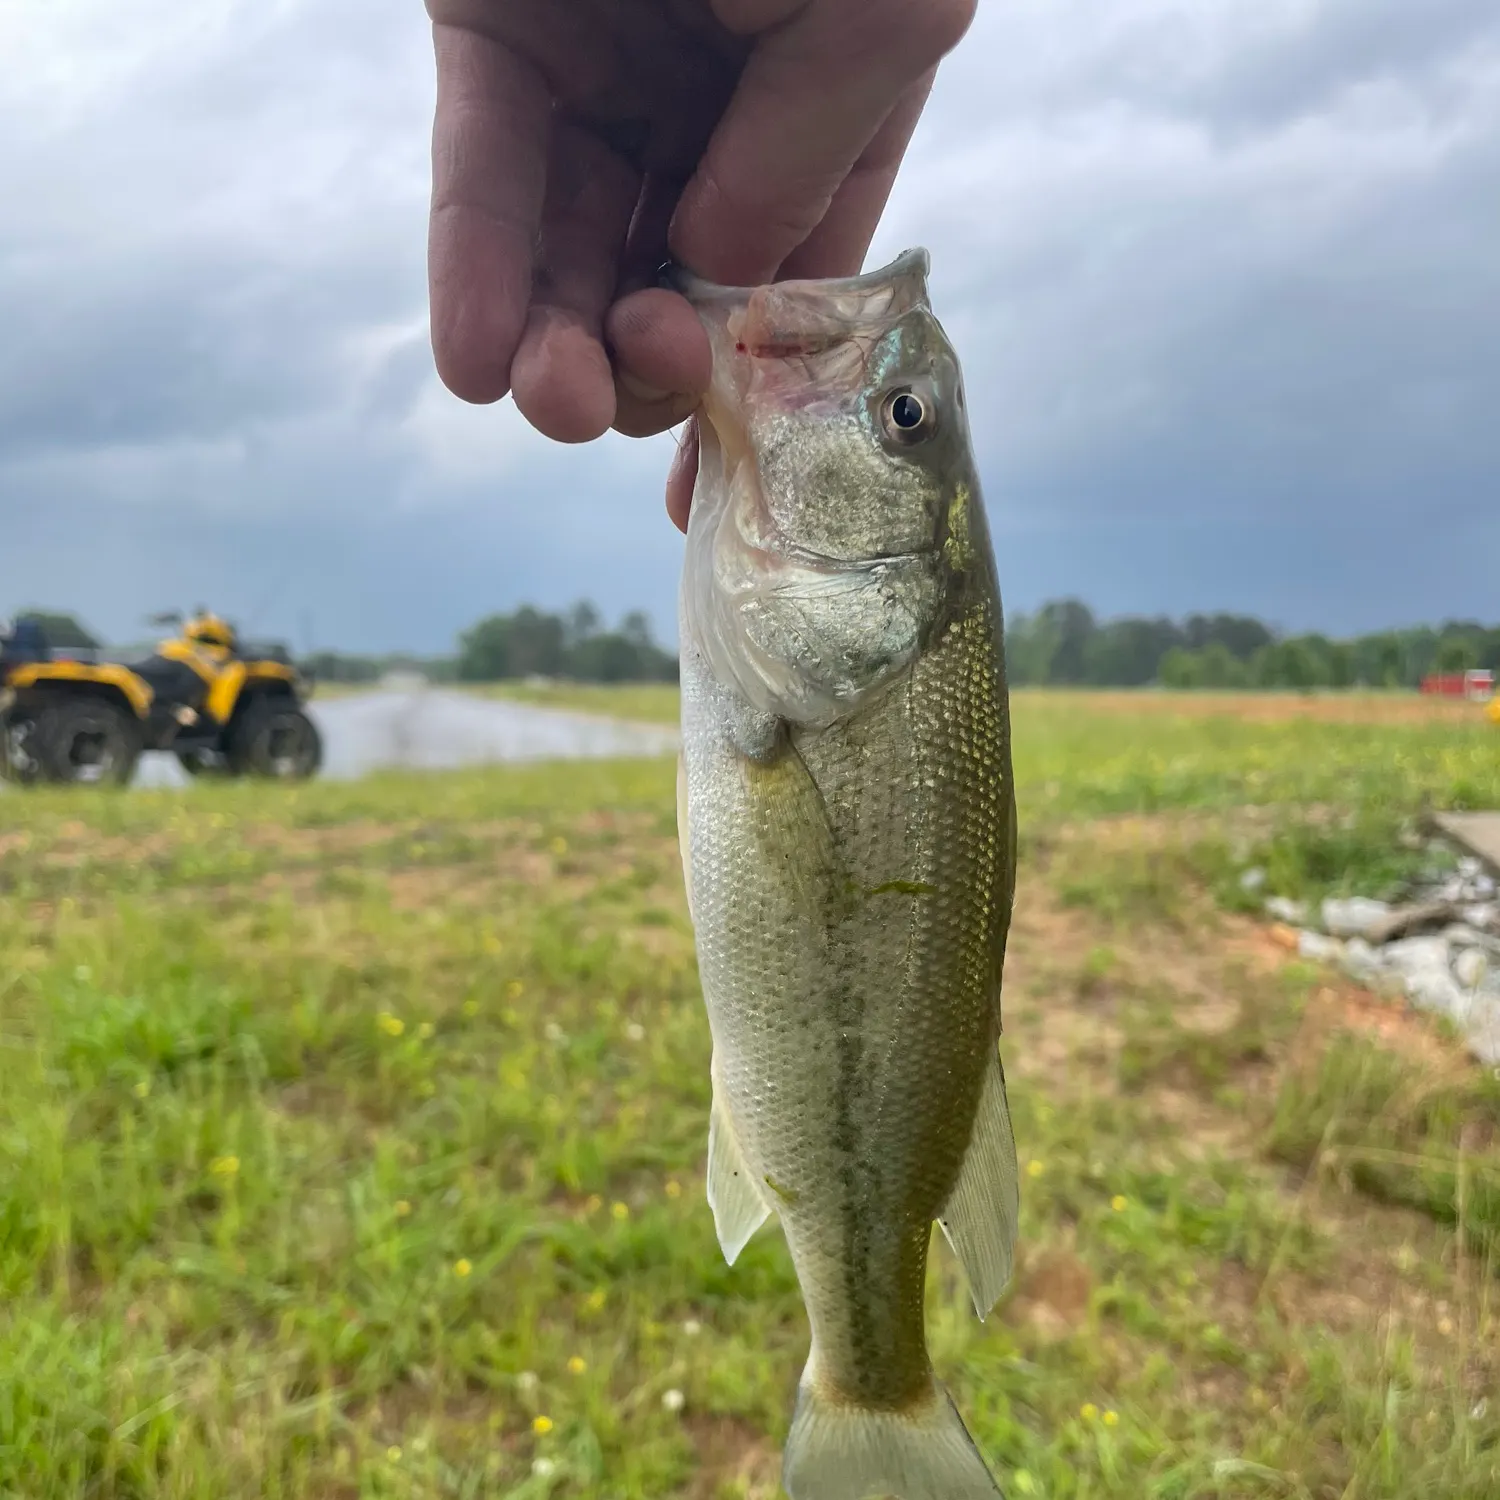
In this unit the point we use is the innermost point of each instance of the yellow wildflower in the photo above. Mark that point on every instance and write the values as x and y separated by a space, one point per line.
391 1025
224 1166
674 1188
1088 1411
462 1268
1111 1419
619 1210
1034 1169
541 1425
595 1299
403 1208
577 1365
1119 1203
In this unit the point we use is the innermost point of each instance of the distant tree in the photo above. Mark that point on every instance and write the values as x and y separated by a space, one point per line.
1340 659
1068 627
1028 649
1220 667
1377 659
335 666
1241 635
64 632
484 651
583 621
636 627
530 641
1456 654
1182 668
1489 650
1128 652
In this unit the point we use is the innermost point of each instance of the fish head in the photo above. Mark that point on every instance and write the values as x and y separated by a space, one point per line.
834 454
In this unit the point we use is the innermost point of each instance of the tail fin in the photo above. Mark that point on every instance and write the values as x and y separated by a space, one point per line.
840 1452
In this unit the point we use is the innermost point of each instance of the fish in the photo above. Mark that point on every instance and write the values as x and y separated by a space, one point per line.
847 828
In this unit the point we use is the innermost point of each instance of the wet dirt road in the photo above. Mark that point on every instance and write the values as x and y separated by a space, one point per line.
433 729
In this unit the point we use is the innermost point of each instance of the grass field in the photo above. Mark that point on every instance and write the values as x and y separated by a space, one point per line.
351 1143
658 703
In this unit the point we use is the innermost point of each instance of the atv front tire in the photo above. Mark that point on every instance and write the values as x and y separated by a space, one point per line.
86 741
276 740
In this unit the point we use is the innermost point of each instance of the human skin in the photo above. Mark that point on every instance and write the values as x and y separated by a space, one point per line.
578 144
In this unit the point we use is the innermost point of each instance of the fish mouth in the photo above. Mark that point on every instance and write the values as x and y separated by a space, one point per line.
912 264
801 319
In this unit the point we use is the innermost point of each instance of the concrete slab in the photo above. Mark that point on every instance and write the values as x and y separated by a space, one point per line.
1477 832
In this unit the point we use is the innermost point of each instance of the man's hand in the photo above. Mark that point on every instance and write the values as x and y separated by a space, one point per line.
579 143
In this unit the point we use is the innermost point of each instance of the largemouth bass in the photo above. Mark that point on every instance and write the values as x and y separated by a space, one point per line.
847 824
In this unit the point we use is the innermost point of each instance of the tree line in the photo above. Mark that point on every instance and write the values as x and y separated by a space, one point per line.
532 643
526 642
1063 644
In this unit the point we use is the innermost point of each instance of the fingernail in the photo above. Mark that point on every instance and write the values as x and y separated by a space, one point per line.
642 392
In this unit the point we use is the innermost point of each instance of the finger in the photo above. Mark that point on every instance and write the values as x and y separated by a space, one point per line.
662 360
646 244
812 97
683 475
561 376
489 150
838 245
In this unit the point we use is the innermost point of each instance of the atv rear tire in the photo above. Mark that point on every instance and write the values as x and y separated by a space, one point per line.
275 739
86 741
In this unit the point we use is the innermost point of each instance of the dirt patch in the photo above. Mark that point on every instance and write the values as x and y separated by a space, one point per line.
731 1453
1052 1297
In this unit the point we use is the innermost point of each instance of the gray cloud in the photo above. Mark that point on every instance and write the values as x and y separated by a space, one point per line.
1223 279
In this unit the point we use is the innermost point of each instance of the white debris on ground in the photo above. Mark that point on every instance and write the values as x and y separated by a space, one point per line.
1439 946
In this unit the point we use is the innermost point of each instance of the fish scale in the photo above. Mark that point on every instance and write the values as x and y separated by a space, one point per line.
846 813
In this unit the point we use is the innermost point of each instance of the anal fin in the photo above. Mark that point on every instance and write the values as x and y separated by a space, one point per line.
981 1216
738 1204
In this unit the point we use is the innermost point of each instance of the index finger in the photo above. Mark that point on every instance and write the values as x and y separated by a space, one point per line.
489 154
813 96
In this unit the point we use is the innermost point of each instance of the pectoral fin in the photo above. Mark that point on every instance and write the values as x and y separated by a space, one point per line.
739 1206
792 835
981 1215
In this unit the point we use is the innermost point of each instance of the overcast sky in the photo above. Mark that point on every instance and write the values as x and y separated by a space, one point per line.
1225 279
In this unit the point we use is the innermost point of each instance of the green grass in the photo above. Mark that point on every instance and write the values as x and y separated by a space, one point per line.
351 1144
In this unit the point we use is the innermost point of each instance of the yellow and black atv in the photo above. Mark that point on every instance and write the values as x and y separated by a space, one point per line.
219 708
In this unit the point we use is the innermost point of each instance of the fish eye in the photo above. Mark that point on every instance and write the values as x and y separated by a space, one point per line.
908 418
